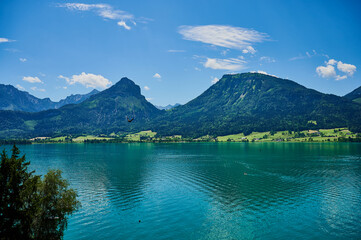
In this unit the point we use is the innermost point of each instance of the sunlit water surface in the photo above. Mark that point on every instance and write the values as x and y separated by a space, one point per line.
209 190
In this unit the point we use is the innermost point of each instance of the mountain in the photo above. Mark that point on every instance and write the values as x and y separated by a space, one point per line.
355 95
236 103
169 106
75 98
104 112
12 98
256 102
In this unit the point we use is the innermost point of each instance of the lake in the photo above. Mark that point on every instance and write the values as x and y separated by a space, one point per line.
209 190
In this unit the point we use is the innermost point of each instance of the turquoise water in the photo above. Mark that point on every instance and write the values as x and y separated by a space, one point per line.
209 190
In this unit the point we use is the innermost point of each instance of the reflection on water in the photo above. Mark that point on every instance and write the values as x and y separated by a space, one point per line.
210 190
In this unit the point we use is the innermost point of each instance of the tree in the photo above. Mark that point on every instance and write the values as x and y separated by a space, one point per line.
31 207
56 202
15 197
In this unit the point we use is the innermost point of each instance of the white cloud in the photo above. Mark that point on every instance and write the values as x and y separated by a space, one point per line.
223 36
197 69
65 78
326 72
144 19
2 40
37 89
22 59
123 24
105 11
20 87
146 88
329 70
175 51
214 80
232 64
267 59
13 50
331 62
311 54
297 58
349 69
263 72
149 99
89 80
249 49
32 79
338 77
109 13
81 6
157 75
260 71
224 52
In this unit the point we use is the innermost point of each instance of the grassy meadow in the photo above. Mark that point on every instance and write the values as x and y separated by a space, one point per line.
321 135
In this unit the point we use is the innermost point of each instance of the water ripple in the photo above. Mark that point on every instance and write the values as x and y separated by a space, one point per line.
210 190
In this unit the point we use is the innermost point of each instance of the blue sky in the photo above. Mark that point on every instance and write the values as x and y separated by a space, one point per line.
175 50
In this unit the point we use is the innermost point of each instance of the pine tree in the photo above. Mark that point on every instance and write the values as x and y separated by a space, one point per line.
32 208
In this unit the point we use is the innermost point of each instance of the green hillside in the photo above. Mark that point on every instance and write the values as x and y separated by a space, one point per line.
253 102
355 95
105 112
237 103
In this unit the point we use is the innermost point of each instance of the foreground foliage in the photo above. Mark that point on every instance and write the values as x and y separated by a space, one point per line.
32 207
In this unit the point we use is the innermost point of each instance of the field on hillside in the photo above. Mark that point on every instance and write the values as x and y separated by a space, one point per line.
321 135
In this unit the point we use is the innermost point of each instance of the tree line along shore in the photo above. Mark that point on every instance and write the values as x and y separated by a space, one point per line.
321 135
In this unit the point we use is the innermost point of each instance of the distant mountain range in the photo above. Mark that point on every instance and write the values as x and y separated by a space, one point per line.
75 98
169 106
236 103
12 98
104 112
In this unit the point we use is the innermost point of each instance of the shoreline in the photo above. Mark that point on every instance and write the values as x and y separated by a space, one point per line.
164 142
311 136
